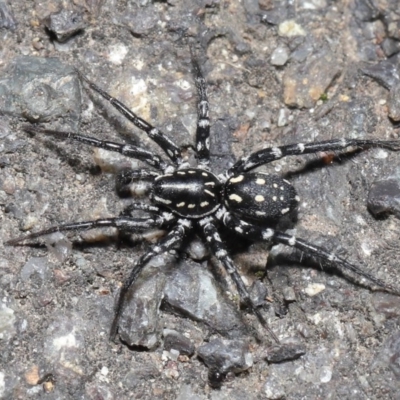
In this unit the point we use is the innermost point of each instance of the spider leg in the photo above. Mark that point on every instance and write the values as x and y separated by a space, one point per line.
203 122
127 177
128 150
166 144
170 241
168 216
257 233
218 248
126 224
142 207
269 154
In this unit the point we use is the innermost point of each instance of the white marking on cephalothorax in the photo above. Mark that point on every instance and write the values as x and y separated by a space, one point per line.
207 141
236 198
209 238
153 132
239 229
181 172
209 184
285 210
204 204
209 193
297 198
260 181
301 147
170 152
180 204
236 179
191 205
277 152
199 146
267 234
161 200
292 241
259 198
191 171
204 174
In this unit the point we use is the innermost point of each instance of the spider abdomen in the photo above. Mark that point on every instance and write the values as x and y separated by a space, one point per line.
190 193
260 196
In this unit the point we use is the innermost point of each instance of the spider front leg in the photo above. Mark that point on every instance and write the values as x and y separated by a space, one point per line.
203 121
267 155
166 144
256 233
218 248
172 240
128 150
123 223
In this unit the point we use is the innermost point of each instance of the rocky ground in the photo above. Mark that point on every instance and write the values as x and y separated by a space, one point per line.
278 72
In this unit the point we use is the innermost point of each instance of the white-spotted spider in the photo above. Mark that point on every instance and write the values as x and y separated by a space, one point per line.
186 199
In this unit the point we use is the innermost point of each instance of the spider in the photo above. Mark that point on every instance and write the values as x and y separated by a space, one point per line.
185 199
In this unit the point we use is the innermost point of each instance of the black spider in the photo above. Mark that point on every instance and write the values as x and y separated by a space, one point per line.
185 199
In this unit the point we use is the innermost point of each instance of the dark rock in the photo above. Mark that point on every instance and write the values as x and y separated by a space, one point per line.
394 102
139 322
191 290
177 341
285 352
65 23
7 19
384 197
390 46
386 72
223 356
41 89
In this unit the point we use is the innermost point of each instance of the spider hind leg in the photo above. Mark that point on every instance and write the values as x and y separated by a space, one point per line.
268 234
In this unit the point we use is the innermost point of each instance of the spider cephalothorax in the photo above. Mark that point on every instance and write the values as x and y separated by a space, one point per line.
186 199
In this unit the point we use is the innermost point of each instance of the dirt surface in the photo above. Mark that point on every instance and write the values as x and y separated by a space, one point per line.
278 72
